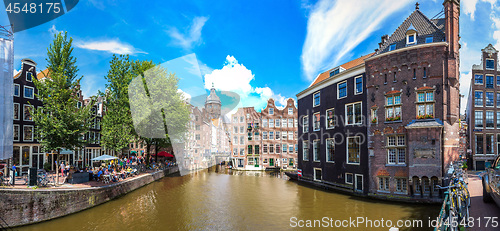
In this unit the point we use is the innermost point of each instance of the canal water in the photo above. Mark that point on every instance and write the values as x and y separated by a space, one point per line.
207 200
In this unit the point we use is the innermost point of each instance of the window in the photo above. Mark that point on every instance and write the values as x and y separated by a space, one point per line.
348 178
392 47
27 133
414 73
396 149
401 185
295 122
242 130
393 107
498 80
264 148
316 119
478 79
353 113
16 111
277 123
271 111
498 120
264 135
385 78
242 119
248 116
256 136
284 148
489 143
250 149
17 89
411 39
283 136
250 161
28 92
290 135
490 64
342 90
353 150
271 148
278 149
316 150
330 150
271 123
29 76
425 72
271 135
197 127
317 174
305 150
490 99
257 149
242 140
16 132
290 111
429 39
478 98
26 112
395 77
290 123
425 105
283 123
359 85
316 99
479 144
383 183
235 140
305 122
489 81
330 118
235 129
290 148
249 136
334 72
478 119
264 123
489 119
373 115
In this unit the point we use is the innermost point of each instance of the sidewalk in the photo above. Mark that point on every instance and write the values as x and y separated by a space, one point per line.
479 210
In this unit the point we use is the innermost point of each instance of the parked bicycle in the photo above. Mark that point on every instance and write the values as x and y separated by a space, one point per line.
459 203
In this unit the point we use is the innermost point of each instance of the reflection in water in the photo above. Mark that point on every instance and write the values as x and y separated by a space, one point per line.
206 200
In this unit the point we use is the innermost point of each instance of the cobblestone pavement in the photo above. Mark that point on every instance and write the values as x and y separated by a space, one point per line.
480 211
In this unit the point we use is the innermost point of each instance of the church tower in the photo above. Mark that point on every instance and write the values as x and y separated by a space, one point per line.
213 104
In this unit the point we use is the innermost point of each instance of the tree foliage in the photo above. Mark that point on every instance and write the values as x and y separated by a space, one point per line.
60 58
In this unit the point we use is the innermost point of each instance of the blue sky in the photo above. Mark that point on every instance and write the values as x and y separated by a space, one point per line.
258 49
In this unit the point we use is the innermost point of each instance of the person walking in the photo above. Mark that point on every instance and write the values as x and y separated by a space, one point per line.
62 168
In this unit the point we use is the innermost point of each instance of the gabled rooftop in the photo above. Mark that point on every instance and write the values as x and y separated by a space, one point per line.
344 67
422 25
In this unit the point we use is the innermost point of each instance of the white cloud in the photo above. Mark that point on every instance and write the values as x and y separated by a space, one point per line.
186 95
111 46
53 30
496 28
89 86
335 28
237 78
190 38
469 7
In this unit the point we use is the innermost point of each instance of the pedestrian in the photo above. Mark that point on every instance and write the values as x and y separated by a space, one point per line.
62 168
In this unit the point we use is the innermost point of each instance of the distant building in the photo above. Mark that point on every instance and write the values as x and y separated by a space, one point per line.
266 139
483 110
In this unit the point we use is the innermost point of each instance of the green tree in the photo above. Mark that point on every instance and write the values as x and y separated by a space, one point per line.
160 113
60 58
60 124
117 128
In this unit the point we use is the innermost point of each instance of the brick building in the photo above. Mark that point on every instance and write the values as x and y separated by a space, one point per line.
413 97
266 139
332 128
483 114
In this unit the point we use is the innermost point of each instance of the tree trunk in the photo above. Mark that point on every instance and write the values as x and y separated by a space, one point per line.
57 168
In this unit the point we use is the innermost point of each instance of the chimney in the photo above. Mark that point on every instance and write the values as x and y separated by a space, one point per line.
452 15
383 40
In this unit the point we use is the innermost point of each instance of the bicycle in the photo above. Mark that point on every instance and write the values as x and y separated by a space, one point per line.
458 214
5 181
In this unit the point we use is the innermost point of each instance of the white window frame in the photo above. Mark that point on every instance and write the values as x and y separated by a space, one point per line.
264 123
391 48
314 97
18 92
355 86
356 182
486 67
314 174
271 111
32 135
316 151
290 135
271 123
24 113
338 90
414 39
385 179
354 113
327 150
290 111
347 150
305 129
18 112
277 123
27 76
314 122
305 146
18 132
326 118
352 178
24 92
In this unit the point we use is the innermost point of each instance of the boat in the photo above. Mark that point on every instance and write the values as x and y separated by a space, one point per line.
293 175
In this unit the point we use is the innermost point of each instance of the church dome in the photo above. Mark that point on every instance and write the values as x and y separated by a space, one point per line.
213 98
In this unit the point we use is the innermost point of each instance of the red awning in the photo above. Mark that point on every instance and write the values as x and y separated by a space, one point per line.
164 154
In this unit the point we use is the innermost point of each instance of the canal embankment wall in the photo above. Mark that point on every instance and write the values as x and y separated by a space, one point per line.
27 206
